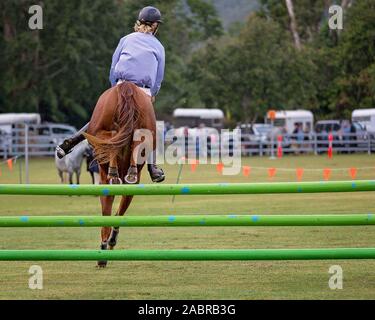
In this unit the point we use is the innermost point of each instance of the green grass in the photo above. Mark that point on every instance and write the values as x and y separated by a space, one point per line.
195 280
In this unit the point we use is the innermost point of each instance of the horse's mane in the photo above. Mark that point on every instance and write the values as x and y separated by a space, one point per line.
127 119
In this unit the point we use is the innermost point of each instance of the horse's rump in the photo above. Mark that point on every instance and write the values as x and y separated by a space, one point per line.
127 117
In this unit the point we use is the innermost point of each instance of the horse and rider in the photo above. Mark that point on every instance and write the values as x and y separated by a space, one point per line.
140 59
126 108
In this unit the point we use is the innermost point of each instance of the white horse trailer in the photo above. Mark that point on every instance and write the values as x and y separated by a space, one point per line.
193 118
11 123
289 118
366 117
9 120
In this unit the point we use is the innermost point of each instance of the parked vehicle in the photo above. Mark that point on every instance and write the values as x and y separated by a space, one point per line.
288 119
328 126
255 131
358 133
252 136
48 135
366 117
9 121
193 118
343 132
41 138
323 129
192 137
54 131
360 130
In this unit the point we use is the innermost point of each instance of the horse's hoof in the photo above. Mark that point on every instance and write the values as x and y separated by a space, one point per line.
113 239
101 264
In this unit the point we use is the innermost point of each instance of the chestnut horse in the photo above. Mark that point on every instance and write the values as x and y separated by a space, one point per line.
120 112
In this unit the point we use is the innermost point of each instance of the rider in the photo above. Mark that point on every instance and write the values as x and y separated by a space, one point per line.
138 58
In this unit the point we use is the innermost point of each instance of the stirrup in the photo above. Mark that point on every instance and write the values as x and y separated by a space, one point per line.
132 175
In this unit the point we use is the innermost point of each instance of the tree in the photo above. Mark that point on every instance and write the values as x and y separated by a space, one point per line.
293 24
355 85
303 18
60 71
253 72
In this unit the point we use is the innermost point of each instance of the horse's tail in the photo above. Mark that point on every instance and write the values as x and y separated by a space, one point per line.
126 118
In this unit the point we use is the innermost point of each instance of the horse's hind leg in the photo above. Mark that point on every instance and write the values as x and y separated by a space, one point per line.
106 202
113 172
124 205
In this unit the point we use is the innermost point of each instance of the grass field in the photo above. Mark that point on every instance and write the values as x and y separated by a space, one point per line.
196 280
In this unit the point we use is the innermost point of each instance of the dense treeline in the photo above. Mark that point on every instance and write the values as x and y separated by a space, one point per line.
263 66
61 70
263 62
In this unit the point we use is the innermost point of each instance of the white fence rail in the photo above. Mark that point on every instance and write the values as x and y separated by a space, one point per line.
21 143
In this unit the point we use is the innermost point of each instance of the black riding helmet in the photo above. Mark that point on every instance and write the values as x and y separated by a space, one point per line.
149 15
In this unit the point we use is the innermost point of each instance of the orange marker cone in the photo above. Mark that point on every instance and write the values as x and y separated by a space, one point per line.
330 152
330 149
271 172
299 172
193 165
279 146
220 167
246 171
327 174
353 172
10 164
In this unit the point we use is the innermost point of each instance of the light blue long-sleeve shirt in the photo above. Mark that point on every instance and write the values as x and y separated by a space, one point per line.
139 58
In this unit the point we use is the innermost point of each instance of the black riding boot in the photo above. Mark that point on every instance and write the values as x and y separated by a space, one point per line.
156 173
66 147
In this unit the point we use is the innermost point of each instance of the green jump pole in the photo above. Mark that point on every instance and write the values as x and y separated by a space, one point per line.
189 189
189 221
226 254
